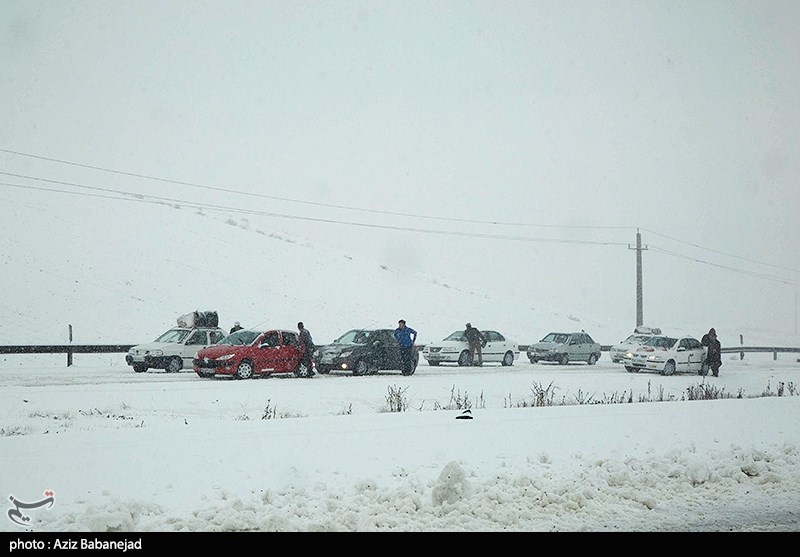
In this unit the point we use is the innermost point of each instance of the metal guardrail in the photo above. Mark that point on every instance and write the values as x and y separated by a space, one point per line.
65 348
70 349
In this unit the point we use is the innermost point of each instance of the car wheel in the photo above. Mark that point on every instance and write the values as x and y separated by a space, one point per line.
361 368
563 360
174 365
324 370
464 359
508 359
244 371
533 360
139 368
592 359
433 363
630 369
302 370
669 368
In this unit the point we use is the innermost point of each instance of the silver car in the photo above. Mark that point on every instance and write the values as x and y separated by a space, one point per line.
565 348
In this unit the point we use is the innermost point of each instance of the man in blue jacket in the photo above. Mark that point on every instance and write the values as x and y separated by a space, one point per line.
406 336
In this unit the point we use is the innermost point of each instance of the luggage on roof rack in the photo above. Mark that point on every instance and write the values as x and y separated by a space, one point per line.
199 319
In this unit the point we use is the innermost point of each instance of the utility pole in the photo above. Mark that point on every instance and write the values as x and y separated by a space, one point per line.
638 248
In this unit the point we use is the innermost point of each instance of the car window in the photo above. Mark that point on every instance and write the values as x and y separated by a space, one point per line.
173 336
239 338
289 339
457 336
216 336
271 339
197 338
348 337
361 337
587 338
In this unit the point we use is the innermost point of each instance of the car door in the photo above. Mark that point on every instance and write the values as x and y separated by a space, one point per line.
387 350
493 350
577 348
288 352
267 354
196 340
684 356
696 354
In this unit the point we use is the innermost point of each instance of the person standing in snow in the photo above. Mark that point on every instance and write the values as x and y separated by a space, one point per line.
306 348
476 341
713 351
406 337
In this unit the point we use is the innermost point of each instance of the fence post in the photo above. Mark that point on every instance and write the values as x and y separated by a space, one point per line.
69 350
741 343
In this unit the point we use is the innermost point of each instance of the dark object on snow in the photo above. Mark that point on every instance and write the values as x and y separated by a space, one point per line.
465 415
714 351
199 319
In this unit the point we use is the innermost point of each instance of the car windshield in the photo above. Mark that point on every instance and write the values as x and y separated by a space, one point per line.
173 336
636 339
661 342
458 335
559 338
356 336
241 338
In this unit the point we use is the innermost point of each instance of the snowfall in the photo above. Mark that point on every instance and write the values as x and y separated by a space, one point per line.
97 448
530 447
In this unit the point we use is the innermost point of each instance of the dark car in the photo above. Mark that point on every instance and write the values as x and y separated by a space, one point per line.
363 352
248 353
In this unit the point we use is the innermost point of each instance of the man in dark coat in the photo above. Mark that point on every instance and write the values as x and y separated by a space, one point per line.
476 341
306 348
713 351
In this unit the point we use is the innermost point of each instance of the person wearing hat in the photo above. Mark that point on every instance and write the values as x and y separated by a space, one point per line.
713 351
475 340
236 327
406 337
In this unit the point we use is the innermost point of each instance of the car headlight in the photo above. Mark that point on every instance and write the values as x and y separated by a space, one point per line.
345 354
629 354
225 358
156 353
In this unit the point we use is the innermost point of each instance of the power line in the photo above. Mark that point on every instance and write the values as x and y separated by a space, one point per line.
727 268
290 200
212 207
358 209
721 252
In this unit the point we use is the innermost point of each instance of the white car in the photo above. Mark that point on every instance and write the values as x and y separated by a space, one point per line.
455 349
174 350
668 355
640 336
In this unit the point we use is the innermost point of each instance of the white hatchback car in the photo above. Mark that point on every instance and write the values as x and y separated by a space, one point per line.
455 349
668 355
174 350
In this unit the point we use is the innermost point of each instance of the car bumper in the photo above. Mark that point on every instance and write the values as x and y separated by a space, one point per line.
544 356
209 368
147 360
438 357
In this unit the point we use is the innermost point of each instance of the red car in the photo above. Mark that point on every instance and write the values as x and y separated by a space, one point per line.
248 353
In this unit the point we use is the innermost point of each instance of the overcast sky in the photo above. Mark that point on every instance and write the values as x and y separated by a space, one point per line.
569 124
